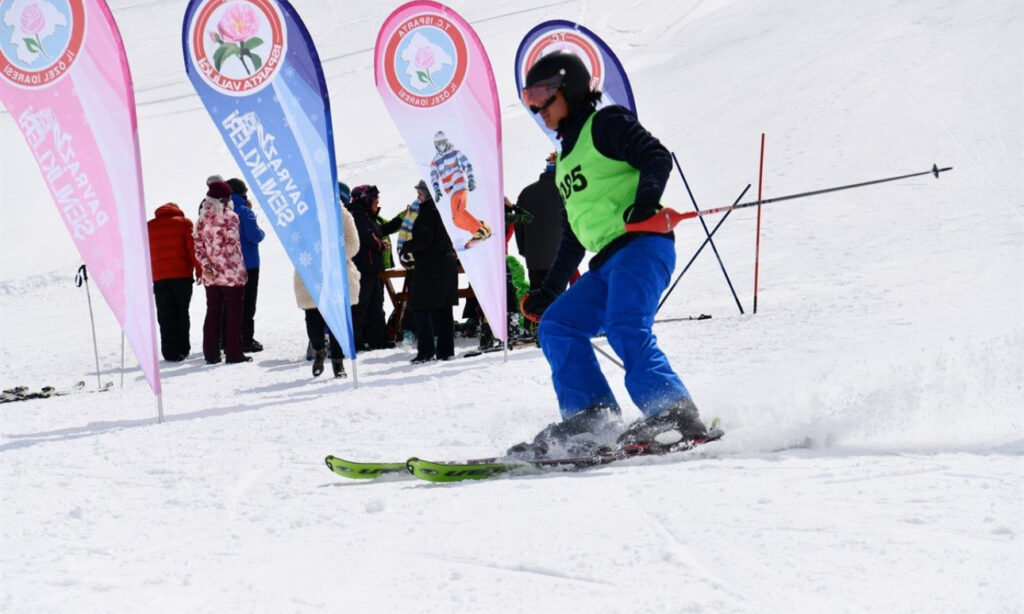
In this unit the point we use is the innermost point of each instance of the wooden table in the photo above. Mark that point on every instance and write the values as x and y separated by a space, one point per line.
399 299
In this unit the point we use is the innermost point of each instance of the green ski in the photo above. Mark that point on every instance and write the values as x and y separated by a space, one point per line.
363 471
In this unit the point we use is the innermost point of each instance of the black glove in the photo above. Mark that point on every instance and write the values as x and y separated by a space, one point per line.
638 212
518 215
535 302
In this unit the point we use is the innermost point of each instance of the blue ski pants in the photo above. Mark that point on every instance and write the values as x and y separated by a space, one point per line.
620 298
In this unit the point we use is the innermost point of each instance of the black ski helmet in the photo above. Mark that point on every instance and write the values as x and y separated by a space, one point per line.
576 81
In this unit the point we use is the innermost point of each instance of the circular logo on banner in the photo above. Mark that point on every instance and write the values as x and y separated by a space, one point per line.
39 40
425 60
570 40
238 46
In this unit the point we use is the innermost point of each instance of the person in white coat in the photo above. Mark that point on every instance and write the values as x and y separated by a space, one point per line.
315 324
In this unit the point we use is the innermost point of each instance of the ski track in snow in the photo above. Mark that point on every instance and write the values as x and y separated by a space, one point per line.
873 456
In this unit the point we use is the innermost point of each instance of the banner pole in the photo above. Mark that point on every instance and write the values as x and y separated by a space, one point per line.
160 408
355 373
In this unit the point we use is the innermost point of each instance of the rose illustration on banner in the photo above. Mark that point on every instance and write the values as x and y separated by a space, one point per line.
235 37
33 22
423 60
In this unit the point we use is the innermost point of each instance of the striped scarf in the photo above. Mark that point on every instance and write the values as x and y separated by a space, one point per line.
405 232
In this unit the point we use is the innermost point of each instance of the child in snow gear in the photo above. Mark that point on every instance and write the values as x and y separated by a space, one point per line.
610 171
451 170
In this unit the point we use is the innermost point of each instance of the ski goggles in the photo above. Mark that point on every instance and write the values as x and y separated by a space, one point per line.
541 94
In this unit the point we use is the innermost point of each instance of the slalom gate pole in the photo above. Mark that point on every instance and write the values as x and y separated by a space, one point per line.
757 241
699 249
721 265
666 219
82 277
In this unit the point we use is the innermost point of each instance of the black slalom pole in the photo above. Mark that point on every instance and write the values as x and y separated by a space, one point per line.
721 265
699 249
666 219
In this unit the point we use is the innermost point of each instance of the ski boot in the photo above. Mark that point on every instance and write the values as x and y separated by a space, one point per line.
318 362
679 422
585 433
339 368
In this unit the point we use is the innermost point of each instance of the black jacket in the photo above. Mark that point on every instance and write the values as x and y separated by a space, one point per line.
617 134
435 280
370 258
538 241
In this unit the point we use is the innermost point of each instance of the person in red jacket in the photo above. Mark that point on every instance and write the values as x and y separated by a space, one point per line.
173 256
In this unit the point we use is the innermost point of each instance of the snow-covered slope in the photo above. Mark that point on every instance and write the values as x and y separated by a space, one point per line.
888 344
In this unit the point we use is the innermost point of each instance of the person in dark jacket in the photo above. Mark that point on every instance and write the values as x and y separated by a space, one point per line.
435 287
250 234
368 323
172 254
611 171
538 240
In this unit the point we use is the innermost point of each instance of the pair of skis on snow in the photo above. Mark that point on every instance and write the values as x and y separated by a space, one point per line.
488 468
24 393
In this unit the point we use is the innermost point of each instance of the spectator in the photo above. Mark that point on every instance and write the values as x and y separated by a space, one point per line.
220 254
435 287
249 234
173 257
315 324
538 239
368 324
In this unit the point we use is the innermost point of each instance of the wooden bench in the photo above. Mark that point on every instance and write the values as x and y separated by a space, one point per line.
399 299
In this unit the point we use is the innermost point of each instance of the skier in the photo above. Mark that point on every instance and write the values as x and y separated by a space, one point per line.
451 170
611 171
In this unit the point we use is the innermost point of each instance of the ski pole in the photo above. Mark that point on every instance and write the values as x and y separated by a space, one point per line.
721 264
666 219
699 249
82 277
757 241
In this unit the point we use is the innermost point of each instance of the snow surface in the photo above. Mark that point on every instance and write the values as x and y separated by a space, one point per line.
885 361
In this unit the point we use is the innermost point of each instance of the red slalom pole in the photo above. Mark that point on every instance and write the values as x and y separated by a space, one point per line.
757 241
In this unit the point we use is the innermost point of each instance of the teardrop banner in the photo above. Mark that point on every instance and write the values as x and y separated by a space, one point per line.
435 79
64 78
255 68
606 72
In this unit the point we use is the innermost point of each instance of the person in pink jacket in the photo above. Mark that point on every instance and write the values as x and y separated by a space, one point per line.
219 250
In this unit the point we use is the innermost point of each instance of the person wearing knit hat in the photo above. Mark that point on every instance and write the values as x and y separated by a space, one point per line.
213 178
218 190
219 252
